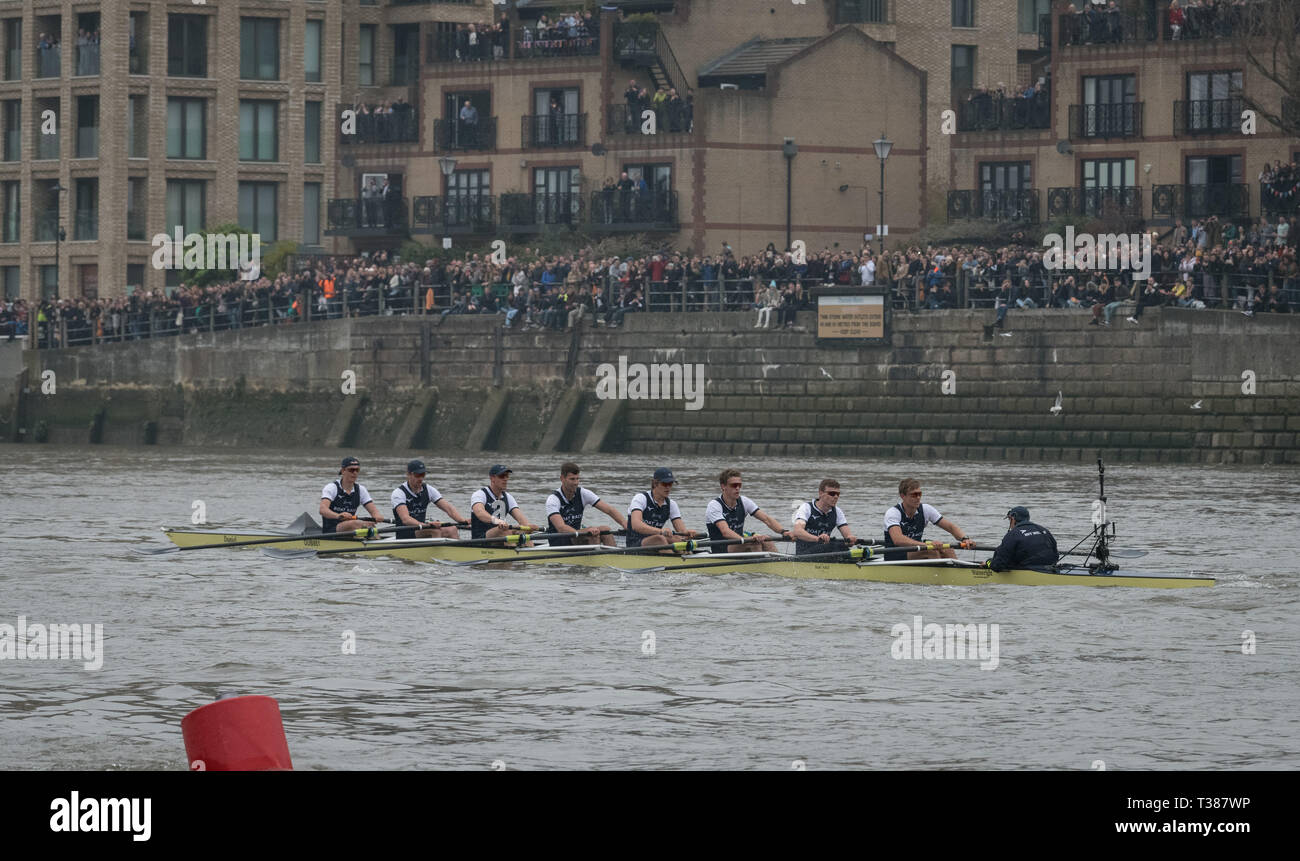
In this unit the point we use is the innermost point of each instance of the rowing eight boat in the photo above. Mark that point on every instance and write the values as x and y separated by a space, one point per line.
940 572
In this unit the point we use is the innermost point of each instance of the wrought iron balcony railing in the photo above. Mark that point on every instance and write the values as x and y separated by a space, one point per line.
983 112
615 209
453 134
365 216
1208 116
1097 202
458 213
400 126
1224 199
554 130
1106 121
672 119
533 211
994 205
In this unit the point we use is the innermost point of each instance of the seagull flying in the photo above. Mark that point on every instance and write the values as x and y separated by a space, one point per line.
1056 408
1197 405
1005 334
826 374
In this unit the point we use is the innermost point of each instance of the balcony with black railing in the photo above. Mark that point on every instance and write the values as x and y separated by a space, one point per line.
459 46
557 41
1221 21
615 210
981 112
456 134
1280 197
994 205
672 119
1208 116
402 125
1224 199
366 216
1097 26
1123 202
553 130
1106 121
456 214
530 213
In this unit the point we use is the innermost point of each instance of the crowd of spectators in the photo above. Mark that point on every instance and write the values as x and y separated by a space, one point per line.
1214 19
566 33
87 52
672 112
474 43
1280 186
385 122
995 108
1207 264
1095 22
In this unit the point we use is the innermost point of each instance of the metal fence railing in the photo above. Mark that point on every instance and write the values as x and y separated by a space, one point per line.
1106 121
1208 116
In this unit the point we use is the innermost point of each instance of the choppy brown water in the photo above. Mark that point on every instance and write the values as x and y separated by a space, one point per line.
544 669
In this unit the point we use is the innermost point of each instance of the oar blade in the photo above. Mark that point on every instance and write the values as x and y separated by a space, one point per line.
284 553
156 551
1128 554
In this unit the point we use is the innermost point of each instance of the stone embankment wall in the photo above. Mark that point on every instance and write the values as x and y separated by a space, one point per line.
946 387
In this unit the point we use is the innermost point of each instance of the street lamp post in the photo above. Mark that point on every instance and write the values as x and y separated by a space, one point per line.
883 145
789 150
448 166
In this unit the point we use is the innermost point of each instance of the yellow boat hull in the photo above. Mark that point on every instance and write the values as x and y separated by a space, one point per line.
195 537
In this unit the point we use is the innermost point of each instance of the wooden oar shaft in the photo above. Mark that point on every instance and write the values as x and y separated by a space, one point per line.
279 540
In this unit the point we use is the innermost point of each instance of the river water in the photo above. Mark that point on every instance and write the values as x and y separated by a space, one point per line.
456 668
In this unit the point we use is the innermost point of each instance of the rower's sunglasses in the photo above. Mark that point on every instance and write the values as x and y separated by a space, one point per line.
832 493
353 469
737 484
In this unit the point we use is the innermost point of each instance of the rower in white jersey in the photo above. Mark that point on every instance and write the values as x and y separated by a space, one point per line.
815 521
653 518
343 497
906 521
492 504
726 513
411 502
564 508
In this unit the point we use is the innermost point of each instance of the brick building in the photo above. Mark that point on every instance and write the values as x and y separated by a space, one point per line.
197 114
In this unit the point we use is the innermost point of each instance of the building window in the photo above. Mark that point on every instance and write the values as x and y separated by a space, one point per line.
13 130
134 277
87 212
186 128
257 209
257 131
1108 104
366 56
187 46
311 213
406 54
1006 176
311 134
861 12
49 276
557 195
312 51
137 127
13 211
1109 173
12 283
1031 12
1214 170
963 67
136 201
87 127
137 38
1214 101
963 13
186 205
13 49
259 49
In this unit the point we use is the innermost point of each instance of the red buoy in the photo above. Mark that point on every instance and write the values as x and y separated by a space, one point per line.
236 734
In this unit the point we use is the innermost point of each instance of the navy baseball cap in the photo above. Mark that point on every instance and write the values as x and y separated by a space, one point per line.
664 475
499 470
1019 514
349 461
417 467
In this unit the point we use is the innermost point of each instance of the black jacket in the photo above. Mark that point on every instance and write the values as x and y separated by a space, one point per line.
1027 545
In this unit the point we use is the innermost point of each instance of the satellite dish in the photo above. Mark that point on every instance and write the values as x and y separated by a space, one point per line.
1064 148
597 149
